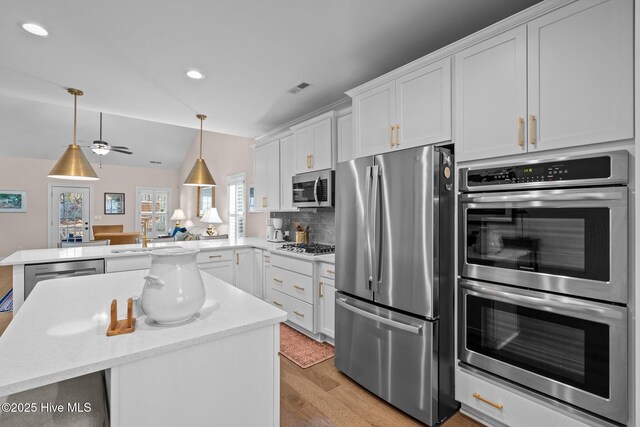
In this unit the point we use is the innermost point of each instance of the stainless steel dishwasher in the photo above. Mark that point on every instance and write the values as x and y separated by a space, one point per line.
38 272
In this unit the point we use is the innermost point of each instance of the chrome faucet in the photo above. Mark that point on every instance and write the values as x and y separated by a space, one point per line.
145 240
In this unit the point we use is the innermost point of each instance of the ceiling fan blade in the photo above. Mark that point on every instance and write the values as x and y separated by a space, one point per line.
120 147
121 151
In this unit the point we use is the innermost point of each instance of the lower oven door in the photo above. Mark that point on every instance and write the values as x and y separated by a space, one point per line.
570 349
390 354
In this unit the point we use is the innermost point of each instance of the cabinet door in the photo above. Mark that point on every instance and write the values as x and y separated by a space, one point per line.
491 97
374 115
327 307
244 270
581 74
423 105
261 174
258 273
302 139
321 145
222 270
345 138
273 176
287 164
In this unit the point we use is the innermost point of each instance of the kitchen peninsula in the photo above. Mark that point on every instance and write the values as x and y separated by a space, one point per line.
204 369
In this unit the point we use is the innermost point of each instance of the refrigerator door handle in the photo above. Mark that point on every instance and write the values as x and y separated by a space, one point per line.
375 254
414 329
367 226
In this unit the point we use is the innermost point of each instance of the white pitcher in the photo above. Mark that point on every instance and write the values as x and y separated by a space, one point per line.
173 291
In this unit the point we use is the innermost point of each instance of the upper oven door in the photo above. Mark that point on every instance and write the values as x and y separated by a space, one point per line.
574 350
571 241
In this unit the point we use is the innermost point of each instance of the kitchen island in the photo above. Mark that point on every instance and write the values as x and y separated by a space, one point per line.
208 368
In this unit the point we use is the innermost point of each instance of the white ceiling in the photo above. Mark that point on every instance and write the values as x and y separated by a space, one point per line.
130 57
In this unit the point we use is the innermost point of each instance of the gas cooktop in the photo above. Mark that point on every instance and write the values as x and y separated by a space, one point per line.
309 248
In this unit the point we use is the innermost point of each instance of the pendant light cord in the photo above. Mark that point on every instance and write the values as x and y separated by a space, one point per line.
75 113
201 120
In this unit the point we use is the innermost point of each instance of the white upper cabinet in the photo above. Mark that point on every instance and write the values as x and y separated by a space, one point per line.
267 177
287 171
564 79
491 97
412 110
581 74
345 137
423 105
314 143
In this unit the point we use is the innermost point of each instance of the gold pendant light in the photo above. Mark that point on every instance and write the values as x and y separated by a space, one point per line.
200 175
73 164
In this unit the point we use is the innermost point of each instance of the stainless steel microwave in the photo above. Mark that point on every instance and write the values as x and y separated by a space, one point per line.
314 189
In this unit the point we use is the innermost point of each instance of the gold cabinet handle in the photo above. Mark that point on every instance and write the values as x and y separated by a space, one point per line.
298 313
300 288
520 131
397 134
487 401
532 129
237 259
277 280
321 290
267 257
277 303
215 256
310 161
391 135
331 272
264 202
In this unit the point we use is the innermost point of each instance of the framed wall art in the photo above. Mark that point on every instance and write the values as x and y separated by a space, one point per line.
114 203
13 201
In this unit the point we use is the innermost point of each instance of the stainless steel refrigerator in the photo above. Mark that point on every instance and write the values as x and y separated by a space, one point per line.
394 276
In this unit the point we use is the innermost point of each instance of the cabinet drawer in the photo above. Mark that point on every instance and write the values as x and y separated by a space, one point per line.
298 312
327 270
293 284
292 264
214 256
517 409
128 263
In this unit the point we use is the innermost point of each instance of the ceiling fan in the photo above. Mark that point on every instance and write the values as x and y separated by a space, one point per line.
102 148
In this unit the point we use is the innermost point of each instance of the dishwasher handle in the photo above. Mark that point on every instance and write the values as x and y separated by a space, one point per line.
414 329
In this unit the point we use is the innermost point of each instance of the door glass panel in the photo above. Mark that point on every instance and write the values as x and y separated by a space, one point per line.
70 226
567 349
561 241
160 219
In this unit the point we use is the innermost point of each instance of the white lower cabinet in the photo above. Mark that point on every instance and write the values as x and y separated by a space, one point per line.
327 294
497 402
218 263
258 273
244 270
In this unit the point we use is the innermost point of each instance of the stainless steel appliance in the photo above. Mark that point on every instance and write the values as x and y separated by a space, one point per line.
543 278
314 189
35 273
557 239
309 248
394 276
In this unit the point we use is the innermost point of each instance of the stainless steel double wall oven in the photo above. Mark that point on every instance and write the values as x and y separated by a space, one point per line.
543 270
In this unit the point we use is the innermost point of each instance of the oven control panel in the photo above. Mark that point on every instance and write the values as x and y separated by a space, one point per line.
562 170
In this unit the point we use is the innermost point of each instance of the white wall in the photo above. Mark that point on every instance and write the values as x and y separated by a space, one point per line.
29 230
224 155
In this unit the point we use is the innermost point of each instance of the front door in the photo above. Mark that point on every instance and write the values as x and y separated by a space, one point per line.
70 215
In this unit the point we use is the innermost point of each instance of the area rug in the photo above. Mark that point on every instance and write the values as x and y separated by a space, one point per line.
6 303
302 350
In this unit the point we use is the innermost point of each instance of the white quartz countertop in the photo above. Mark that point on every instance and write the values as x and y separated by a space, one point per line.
60 332
37 256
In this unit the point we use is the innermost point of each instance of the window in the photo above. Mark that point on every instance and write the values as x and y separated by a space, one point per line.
236 189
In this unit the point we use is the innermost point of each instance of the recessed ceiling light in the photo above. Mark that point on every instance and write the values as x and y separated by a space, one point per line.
35 29
194 74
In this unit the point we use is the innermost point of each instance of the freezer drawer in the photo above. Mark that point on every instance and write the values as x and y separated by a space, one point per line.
390 354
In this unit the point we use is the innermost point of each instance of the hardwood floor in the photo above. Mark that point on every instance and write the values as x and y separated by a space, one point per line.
323 396
6 283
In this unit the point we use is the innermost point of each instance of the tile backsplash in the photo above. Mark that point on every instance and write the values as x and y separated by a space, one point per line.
322 224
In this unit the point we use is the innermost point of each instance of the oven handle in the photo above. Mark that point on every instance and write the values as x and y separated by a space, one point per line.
542 196
414 329
552 303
